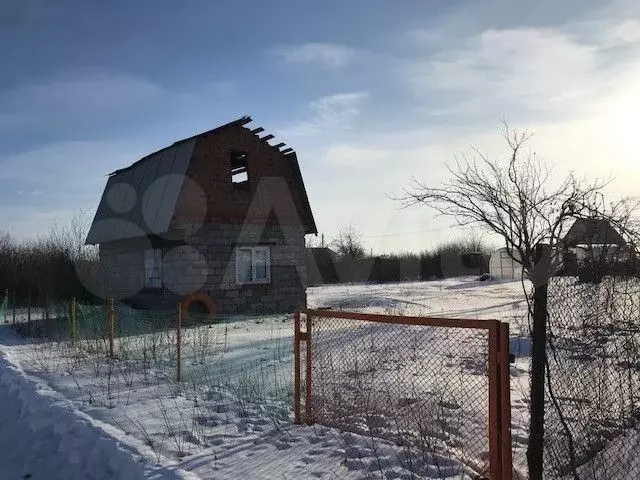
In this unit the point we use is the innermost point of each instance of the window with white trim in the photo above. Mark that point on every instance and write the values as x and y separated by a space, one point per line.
153 268
253 265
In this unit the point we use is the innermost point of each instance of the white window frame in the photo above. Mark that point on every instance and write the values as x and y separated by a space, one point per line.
254 276
155 280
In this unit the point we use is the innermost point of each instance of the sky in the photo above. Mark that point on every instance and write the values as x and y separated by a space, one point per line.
369 93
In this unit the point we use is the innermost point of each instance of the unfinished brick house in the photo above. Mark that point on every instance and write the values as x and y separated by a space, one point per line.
223 213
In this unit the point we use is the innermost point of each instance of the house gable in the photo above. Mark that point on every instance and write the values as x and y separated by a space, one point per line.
191 181
592 231
215 160
139 200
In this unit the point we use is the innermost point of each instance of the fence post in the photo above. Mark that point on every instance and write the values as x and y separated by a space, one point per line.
111 318
307 402
495 450
296 369
179 344
505 402
14 306
29 313
6 304
535 449
73 320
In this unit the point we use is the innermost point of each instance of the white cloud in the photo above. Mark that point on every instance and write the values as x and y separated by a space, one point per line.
626 32
329 113
26 221
355 156
77 95
81 162
328 55
612 24
57 179
338 109
539 69
551 72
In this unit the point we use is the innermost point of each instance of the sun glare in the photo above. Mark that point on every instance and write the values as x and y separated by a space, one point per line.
623 124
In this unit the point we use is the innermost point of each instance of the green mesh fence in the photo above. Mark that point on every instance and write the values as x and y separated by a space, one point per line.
91 321
55 321
130 321
150 337
49 322
3 310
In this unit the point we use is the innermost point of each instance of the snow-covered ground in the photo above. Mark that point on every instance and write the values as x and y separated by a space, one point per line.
43 435
452 298
231 416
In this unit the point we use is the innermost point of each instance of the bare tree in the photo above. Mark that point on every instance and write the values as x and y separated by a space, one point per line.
523 202
348 243
44 269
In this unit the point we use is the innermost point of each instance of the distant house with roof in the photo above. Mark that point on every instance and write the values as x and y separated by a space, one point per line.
593 243
592 232
220 216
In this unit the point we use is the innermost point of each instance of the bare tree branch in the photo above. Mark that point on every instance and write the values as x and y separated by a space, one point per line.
517 201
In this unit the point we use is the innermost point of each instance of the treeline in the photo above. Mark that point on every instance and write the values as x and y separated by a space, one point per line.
59 266
335 264
46 270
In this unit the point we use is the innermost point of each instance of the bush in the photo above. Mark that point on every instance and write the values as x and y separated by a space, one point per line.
450 259
43 271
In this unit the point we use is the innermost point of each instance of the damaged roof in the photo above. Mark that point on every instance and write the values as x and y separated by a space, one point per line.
140 200
592 231
121 214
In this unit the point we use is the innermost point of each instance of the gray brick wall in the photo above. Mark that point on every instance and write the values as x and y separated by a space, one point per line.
122 265
207 263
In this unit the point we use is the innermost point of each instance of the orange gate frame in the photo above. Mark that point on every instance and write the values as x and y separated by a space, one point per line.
500 455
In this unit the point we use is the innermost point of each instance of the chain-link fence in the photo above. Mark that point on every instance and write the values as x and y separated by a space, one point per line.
175 344
592 419
50 321
71 320
109 355
433 387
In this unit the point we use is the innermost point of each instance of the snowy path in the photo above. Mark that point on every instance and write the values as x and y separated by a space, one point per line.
43 437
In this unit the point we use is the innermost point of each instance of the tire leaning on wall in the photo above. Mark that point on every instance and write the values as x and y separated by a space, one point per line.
199 298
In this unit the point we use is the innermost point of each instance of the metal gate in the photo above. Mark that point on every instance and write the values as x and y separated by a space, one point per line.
437 387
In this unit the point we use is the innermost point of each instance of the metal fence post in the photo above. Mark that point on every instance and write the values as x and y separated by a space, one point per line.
495 449
505 402
179 344
6 304
29 312
296 369
307 402
111 319
73 320
14 306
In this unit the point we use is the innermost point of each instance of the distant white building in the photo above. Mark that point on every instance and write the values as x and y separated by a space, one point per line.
503 265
